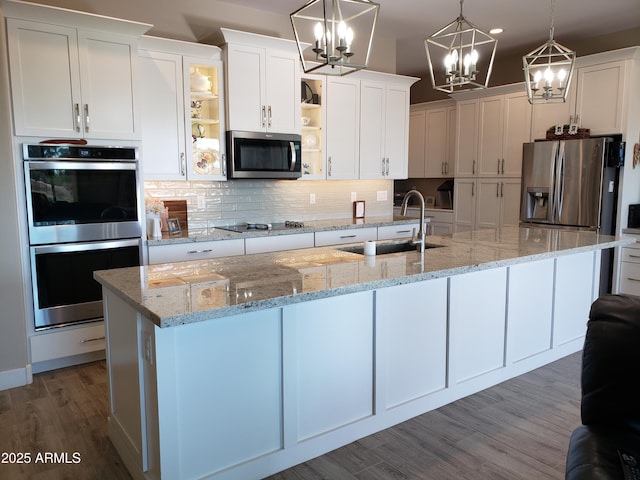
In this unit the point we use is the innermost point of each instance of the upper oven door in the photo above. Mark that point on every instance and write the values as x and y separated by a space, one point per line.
78 201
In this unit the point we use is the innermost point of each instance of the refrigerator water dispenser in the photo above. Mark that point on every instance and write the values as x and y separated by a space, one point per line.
537 204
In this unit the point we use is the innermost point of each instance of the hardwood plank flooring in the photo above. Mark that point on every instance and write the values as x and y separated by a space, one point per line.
518 430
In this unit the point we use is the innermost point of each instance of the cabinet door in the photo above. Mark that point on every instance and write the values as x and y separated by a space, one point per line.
436 143
466 138
204 122
372 130
282 87
417 133
464 204
163 138
245 87
599 100
396 127
450 162
488 213
517 130
490 136
343 128
510 202
477 313
546 116
107 73
45 79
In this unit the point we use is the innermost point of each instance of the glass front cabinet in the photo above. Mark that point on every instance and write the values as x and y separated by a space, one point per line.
204 93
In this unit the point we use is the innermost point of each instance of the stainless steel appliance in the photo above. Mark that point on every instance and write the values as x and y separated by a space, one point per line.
568 184
264 155
252 226
84 214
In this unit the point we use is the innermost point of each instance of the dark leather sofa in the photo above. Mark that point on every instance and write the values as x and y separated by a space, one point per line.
610 405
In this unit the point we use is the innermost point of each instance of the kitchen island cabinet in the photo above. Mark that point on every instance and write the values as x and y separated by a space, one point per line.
203 356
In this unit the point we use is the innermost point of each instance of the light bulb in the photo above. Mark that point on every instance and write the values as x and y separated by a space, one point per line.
349 36
467 62
317 31
548 76
474 58
536 79
562 74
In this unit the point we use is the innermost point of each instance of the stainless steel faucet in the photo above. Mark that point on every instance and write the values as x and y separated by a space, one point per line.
418 239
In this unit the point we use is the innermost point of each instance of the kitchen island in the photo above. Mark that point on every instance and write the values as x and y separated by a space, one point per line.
243 366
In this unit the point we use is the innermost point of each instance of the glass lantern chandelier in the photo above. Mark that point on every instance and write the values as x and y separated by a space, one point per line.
334 37
454 54
548 70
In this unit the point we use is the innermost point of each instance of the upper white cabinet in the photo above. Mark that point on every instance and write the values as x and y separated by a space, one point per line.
598 95
313 127
417 128
502 125
384 126
72 82
263 83
183 110
343 127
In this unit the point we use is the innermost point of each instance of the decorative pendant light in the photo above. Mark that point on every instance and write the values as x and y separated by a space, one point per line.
454 54
548 70
334 37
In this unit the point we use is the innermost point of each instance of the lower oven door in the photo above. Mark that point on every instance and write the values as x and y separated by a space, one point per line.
64 291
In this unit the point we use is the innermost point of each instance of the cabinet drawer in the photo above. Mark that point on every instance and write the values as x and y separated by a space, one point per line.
67 342
630 254
630 278
181 252
438 215
397 231
278 243
339 237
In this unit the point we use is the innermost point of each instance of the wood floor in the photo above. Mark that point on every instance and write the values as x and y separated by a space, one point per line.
516 430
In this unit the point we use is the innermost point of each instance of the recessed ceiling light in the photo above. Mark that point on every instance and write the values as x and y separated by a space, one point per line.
496 30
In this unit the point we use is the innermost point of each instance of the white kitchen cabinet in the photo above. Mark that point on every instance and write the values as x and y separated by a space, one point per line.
529 310
263 83
417 129
180 252
477 315
183 124
350 235
464 204
314 160
432 140
498 202
630 270
57 344
384 126
504 125
343 128
467 118
408 338
278 243
71 82
576 287
404 230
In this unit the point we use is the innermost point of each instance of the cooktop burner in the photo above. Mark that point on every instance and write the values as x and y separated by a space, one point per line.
254 226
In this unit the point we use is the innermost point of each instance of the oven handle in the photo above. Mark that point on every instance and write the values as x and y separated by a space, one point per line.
61 165
85 246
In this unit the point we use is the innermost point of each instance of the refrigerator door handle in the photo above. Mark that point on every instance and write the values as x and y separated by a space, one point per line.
559 187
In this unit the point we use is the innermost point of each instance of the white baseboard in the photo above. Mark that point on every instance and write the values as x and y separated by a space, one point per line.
18 377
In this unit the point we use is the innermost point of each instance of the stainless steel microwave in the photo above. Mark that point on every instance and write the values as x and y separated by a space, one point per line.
263 155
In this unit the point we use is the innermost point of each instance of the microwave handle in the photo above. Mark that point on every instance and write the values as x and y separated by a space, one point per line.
294 157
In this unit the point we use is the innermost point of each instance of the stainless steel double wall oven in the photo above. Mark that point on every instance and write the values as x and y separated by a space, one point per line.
83 213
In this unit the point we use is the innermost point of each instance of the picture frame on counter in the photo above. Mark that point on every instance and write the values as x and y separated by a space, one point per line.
358 209
174 226
430 201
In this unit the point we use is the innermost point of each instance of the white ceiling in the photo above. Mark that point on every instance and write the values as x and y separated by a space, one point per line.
526 23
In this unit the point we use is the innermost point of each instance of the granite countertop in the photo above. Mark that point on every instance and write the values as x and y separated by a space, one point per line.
179 293
309 227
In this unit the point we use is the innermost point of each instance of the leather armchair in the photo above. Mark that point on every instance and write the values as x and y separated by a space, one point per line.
610 405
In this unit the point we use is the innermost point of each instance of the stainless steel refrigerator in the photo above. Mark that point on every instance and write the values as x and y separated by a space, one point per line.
568 184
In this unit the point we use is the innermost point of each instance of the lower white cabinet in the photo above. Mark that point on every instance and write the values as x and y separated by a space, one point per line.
498 202
391 232
409 338
477 315
180 252
630 270
278 243
55 344
339 237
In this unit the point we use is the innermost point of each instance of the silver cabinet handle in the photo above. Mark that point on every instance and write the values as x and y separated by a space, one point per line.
264 116
473 189
76 116
631 255
86 117
96 339
498 189
208 250
347 236
442 168
473 169
387 173
182 165
633 279
503 166
382 167
498 166
502 189
269 116
446 168
224 164
329 169
404 231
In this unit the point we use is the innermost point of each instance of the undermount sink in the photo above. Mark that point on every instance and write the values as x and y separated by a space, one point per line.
388 247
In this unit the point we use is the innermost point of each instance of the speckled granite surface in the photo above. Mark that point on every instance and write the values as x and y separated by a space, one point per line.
185 292
310 226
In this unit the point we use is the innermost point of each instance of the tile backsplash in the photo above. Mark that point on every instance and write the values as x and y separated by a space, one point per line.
211 204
